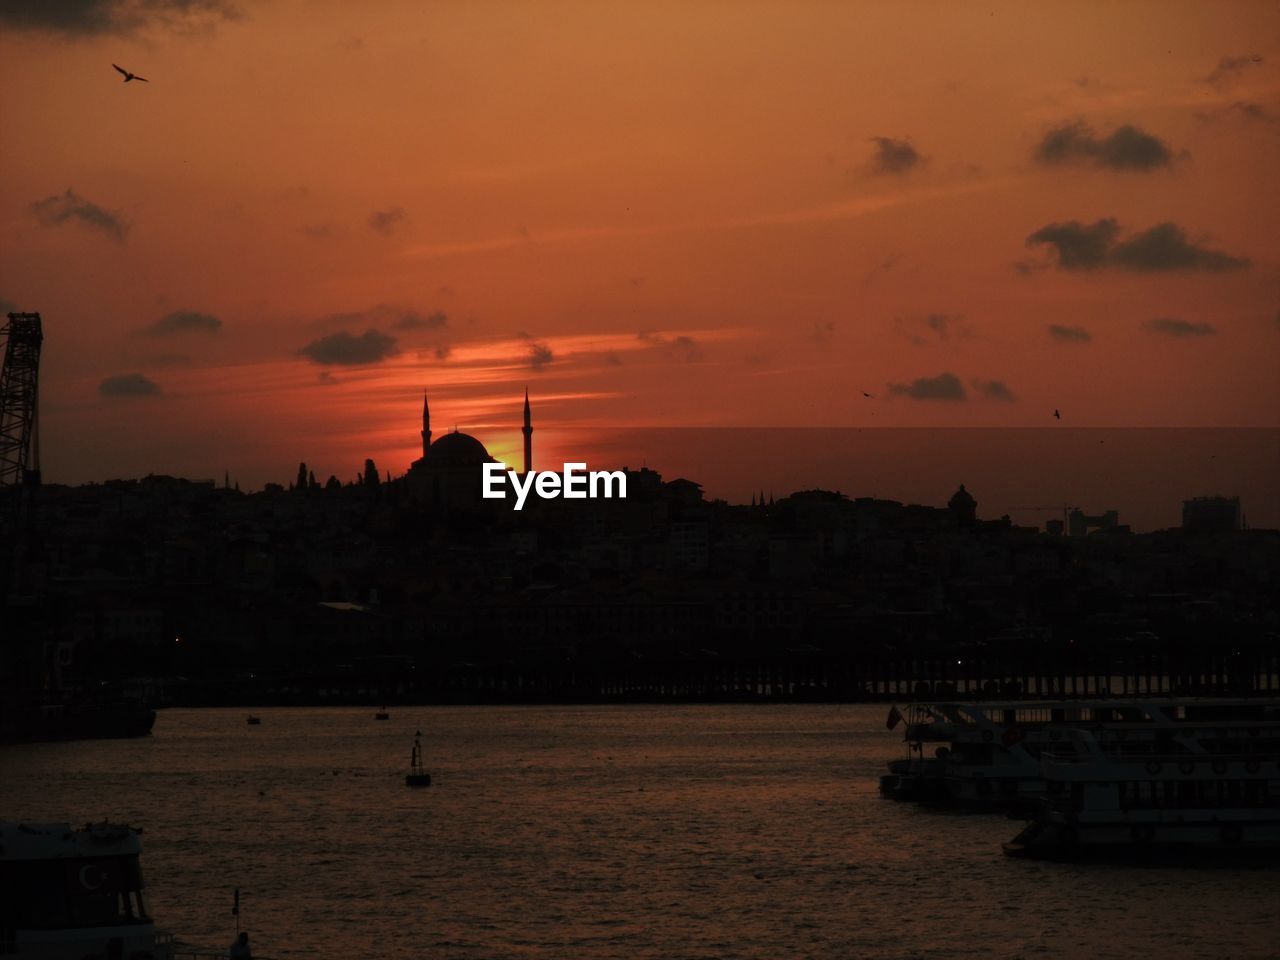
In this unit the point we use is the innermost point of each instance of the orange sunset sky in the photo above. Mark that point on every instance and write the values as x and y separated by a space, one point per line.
653 214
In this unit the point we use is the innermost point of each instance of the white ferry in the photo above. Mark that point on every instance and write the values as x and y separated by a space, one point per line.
75 893
1225 804
989 753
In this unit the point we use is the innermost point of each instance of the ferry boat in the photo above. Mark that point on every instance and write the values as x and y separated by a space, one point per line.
1100 806
989 754
69 893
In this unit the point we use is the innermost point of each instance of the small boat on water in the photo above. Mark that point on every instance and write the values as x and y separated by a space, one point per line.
75 892
417 776
1222 805
254 721
382 714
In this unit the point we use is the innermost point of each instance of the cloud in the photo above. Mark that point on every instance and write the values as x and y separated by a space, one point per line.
1229 68
1079 247
385 315
70 206
994 390
937 322
683 347
1126 148
1170 327
884 266
1243 110
347 350
430 331
894 156
1162 248
539 356
184 321
88 18
823 331
686 347
940 326
129 385
1074 334
385 222
945 386
7 306
1166 247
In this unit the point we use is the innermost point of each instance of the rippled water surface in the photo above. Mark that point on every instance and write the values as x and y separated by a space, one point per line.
628 832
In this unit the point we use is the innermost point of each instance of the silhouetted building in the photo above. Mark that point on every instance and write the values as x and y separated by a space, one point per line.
448 475
1079 523
963 507
1211 514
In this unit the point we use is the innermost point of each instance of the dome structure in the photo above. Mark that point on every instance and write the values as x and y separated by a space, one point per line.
457 450
963 506
449 474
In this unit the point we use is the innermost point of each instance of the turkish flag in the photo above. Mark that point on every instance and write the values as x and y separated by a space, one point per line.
894 718
97 878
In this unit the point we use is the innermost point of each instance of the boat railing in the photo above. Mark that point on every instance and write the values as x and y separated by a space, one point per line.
1259 758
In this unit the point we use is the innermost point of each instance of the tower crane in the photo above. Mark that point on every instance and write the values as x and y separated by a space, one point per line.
19 401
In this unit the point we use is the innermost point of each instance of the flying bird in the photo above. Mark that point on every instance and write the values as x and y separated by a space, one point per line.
130 76
868 395
1057 415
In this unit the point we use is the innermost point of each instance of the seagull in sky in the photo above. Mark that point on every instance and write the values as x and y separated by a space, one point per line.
1057 415
130 76
868 395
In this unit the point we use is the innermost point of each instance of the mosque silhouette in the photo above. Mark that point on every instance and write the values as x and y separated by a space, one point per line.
447 475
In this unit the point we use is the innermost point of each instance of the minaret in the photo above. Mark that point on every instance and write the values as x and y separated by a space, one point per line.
528 434
426 423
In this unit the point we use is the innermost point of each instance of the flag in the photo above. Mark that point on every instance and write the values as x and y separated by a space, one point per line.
894 718
235 905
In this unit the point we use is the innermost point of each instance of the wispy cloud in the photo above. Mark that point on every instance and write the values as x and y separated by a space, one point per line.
539 355
70 207
89 18
945 386
994 390
681 346
386 222
184 321
833 212
1072 334
894 156
1172 327
129 385
1230 68
346 349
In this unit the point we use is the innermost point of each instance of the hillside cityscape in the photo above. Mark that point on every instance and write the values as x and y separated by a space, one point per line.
406 590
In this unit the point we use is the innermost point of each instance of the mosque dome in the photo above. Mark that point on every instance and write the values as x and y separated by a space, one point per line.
962 498
457 450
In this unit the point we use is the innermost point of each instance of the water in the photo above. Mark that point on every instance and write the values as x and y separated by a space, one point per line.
599 832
